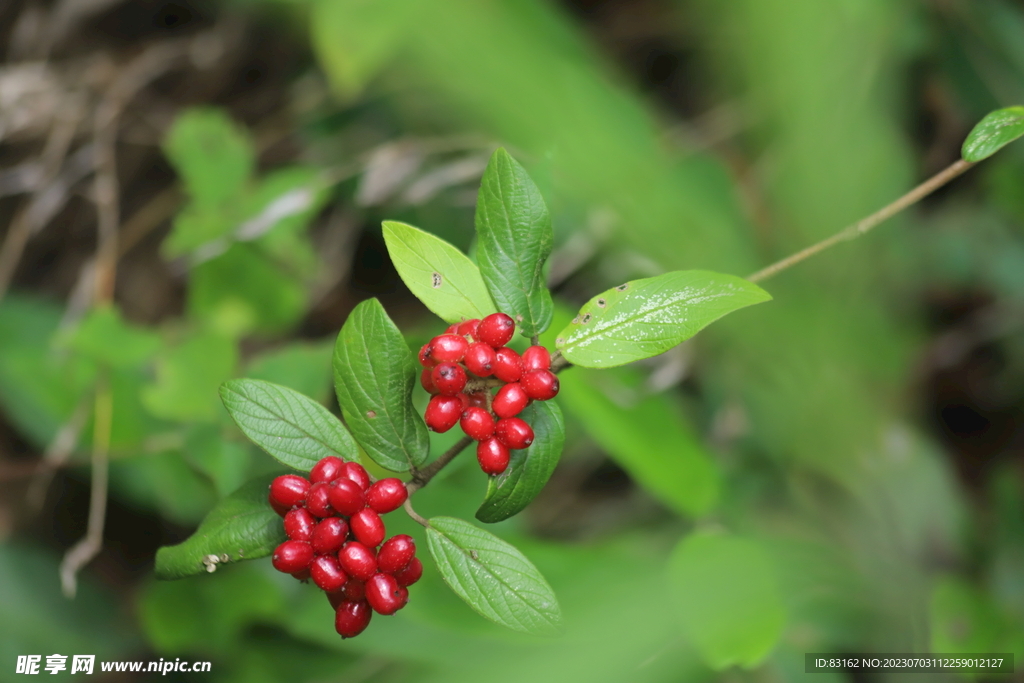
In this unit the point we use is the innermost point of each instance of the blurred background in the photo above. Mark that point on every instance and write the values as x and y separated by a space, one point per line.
192 191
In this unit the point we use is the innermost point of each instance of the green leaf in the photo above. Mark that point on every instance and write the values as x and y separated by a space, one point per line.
728 598
104 336
643 318
440 276
187 378
213 156
995 131
374 373
493 577
529 470
515 239
646 435
243 526
294 429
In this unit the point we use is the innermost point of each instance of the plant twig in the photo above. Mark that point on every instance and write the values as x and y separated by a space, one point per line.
415 515
864 225
423 476
57 454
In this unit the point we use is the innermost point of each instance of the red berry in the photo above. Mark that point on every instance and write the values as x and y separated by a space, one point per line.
448 348
358 561
329 535
510 400
292 556
477 399
480 359
367 527
508 366
287 491
318 501
327 469
302 575
477 423
386 495
425 358
411 574
299 524
536 358
452 329
383 595
464 400
492 455
496 329
346 496
514 432
336 598
403 595
468 328
353 471
427 383
352 618
541 385
449 378
443 412
327 573
396 554
354 590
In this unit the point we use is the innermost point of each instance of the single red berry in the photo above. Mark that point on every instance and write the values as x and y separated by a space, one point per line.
448 348
496 329
292 556
477 423
463 400
443 412
383 595
367 527
302 575
329 536
510 400
508 366
287 491
353 471
541 385
354 590
299 524
357 560
346 496
336 598
318 501
327 573
514 432
386 495
536 358
480 359
427 383
328 469
492 455
449 378
468 328
426 360
352 618
396 554
411 574
403 596
452 329
477 399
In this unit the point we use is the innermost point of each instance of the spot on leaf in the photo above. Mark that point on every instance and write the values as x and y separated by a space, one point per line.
622 288
370 414
601 303
436 280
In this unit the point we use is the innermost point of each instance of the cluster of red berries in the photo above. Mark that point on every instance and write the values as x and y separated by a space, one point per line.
476 349
334 529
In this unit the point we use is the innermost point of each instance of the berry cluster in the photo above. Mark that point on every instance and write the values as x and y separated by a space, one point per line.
476 349
334 529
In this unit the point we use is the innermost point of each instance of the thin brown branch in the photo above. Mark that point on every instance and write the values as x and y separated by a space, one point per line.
57 454
422 477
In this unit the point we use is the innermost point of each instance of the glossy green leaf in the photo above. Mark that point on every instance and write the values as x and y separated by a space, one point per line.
648 437
515 238
374 373
293 428
105 337
643 318
493 577
728 598
440 276
529 469
212 154
188 376
242 526
992 133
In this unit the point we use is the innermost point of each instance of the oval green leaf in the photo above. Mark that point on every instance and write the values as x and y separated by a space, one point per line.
728 598
294 429
529 470
242 526
493 577
643 318
514 240
440 276
995 131
374 373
